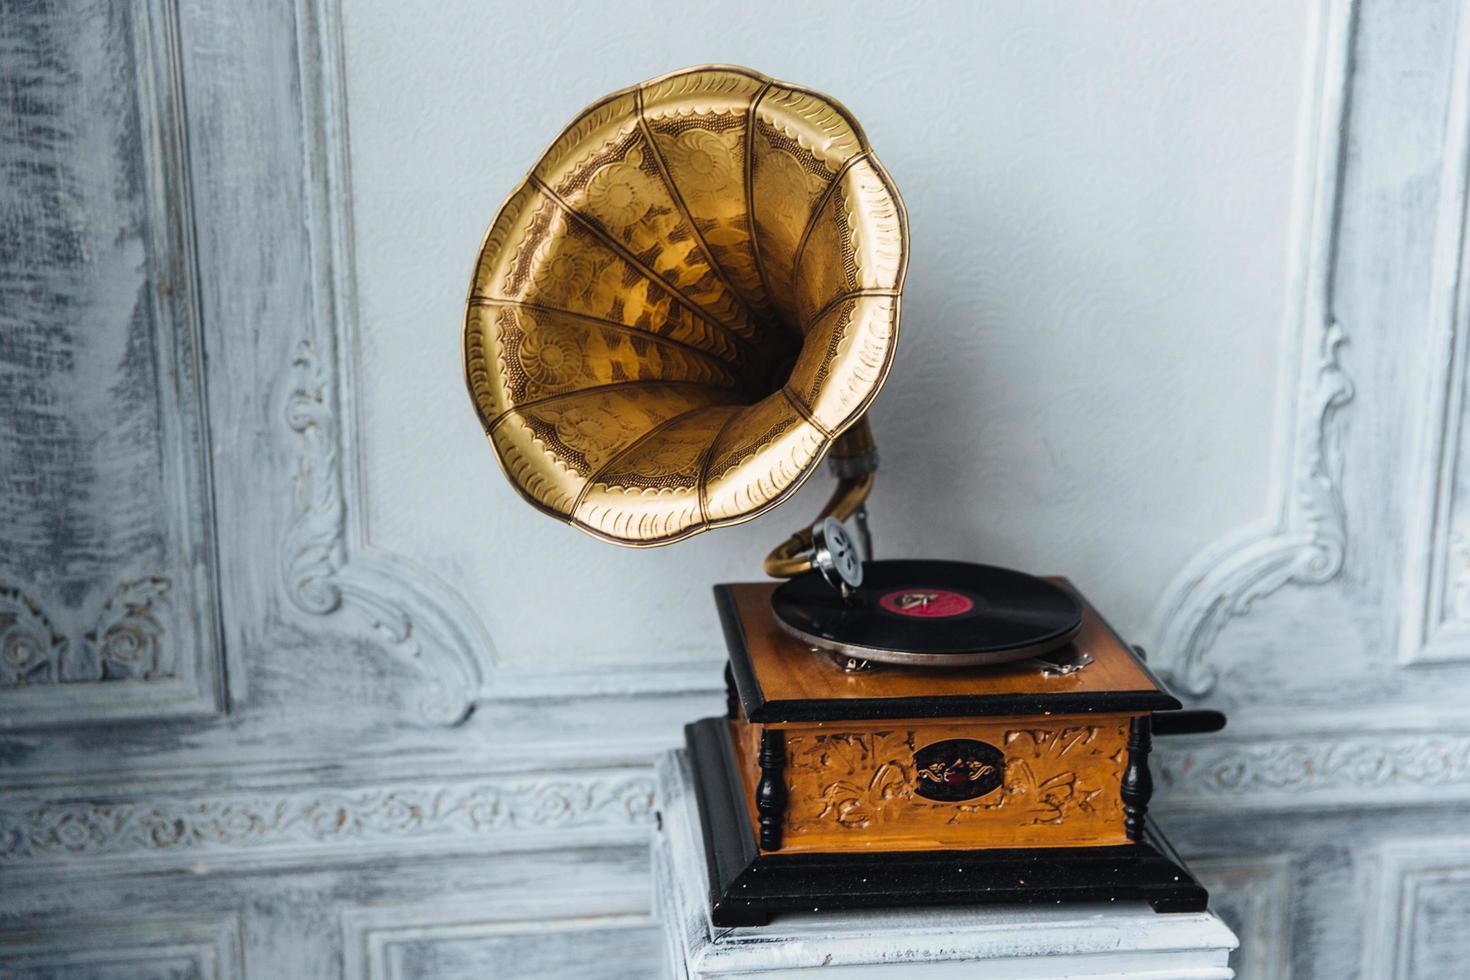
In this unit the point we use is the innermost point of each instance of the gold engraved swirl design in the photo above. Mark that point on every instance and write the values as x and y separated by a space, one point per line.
691 294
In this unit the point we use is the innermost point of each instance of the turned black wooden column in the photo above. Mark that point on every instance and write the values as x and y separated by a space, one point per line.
1138 783
770 794
732 696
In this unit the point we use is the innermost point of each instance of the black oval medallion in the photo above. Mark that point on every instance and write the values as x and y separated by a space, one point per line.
958 769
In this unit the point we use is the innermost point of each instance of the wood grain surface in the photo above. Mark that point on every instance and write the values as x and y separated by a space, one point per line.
852 788
789 670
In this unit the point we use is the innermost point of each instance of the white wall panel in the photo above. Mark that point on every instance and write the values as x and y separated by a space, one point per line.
1422 892
1102 206
158 948
471 940
108 599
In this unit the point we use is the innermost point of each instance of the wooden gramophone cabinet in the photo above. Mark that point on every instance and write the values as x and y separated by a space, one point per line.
825 788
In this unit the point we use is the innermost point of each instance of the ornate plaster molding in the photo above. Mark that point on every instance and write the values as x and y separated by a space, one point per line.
1315 770
326 567
1253 895
326 563
375 939
119 316
1306 541
151 947
1414 880
30 648
321 572
124 643
1436 620
244 826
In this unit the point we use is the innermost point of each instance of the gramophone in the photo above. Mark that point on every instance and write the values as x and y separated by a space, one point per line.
689 302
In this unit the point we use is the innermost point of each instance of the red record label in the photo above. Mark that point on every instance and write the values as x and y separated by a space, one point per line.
926 603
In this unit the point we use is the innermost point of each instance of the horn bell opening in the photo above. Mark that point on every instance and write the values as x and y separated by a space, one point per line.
691 295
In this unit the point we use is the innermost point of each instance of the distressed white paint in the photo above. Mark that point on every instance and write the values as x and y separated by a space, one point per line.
1422 890
1253 896
1013 943
108 601
591 932
1436 624
118 948
1146 192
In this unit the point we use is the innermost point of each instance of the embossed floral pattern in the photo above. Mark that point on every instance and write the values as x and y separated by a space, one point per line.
76 827
781 177
551 359
595 430
878 775
1048 795
664 459
563 270
879 800
1293 767
621 194
707 157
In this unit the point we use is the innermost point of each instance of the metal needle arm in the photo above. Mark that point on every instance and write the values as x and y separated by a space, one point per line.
854 458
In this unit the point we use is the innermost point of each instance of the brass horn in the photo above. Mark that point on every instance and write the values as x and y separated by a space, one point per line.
688 302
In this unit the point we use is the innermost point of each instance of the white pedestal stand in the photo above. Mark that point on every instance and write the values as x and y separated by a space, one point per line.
1006 942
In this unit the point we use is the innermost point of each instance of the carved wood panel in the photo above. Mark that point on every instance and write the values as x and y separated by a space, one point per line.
845 789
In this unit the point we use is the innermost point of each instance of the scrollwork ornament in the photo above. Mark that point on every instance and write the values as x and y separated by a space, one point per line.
30 648
1302 767
231 823
125 642
1307 549
399 812
486 809
316 552
636 798
165 830
335 816
559 803
76 828
14 834
402 813
319 579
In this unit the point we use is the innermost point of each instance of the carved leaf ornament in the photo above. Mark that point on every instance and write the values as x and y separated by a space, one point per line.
124 642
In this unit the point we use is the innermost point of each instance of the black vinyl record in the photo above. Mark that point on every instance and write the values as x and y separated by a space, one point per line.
933 613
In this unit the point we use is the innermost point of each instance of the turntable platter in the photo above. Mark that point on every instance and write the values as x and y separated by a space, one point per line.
931 613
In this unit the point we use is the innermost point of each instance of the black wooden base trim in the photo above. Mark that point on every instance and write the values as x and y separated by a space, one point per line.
747 887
